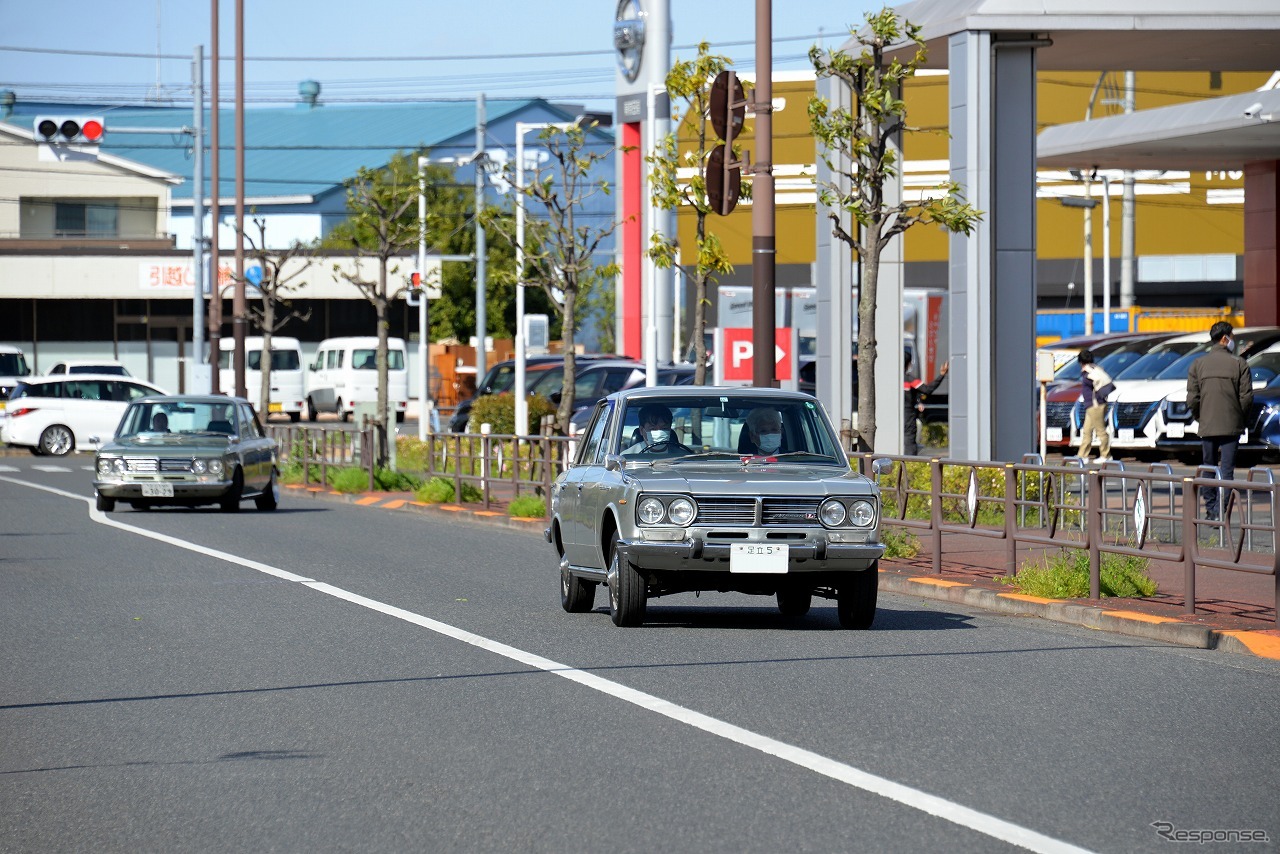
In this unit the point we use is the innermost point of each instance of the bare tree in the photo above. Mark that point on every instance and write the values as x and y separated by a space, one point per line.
858 148
277 289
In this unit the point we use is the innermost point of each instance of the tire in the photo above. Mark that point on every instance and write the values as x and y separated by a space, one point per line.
627 594
400 417
312 412
856 599
342 413
577 596
270 498
230 502
105 504
794 603
57 441
295 417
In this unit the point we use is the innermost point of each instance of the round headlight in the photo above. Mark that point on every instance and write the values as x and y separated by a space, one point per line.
831 513
682 511
104 466
862 513
198 466
215 466
651 511
119 466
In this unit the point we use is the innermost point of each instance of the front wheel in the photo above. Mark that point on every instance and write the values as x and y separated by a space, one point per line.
856 598
56 441
627 593
230 502
270 497
295 417
312 412
577 596
105 504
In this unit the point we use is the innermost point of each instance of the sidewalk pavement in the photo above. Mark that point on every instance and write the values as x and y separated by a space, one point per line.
1235 611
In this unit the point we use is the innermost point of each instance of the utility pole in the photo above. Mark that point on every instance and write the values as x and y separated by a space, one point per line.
482 322
1127 223
197 222
763 246
238 308
215 187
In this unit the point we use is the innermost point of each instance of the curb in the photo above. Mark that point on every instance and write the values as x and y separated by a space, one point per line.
1170 630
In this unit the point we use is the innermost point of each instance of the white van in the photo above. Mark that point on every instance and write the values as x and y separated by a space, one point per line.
345 372
13 368
286 373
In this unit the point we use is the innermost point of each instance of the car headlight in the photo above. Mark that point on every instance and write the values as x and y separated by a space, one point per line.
831 513
216 467
199 466
119 466
862 513
104 466
651 511
681 511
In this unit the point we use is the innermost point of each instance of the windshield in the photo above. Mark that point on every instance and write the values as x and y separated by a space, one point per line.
1156 361
160 417
13 365
727 426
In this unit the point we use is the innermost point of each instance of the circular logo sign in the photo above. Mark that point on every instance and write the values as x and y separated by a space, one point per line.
628 37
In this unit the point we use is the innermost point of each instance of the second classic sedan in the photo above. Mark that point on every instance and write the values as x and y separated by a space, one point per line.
188 450
728 489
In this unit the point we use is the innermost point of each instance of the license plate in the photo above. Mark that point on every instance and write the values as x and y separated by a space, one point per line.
157 490
1177 431
1053 434
275 407
758 557
1125 434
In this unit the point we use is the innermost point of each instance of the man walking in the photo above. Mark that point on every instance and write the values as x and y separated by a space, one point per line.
1219 393
1096 386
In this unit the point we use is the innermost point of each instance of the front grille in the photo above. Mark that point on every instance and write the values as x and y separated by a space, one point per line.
726 511
775 511
1131 415
143 466
1058 413
175 465
790 511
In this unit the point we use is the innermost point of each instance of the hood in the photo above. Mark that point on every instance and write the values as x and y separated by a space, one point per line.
151 443
765 479
1146 391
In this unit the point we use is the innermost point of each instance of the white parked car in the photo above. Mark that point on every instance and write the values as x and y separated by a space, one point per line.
13 367
345 372
57 415
286 373
90 366
1176 428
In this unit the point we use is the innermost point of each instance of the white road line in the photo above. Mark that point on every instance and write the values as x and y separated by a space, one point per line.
48 467
10 468
923 801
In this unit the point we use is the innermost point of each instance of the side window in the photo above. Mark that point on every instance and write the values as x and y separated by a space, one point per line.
395 360
59 368
593 448
253 360
85 390
621 379
224 360
584 387
249 427
335 358
133 391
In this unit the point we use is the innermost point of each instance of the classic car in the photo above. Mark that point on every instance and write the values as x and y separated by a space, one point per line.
719 489
188 450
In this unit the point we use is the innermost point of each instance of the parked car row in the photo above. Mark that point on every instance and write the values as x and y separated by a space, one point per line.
1148 410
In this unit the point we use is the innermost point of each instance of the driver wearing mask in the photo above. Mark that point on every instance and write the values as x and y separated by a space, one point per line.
655 433
764 429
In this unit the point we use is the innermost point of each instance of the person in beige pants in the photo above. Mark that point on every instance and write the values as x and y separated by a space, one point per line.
1094 395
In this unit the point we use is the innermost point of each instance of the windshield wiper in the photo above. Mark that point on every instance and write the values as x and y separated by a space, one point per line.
710 455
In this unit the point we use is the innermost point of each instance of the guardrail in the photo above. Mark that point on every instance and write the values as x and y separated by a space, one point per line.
1153 514
498 466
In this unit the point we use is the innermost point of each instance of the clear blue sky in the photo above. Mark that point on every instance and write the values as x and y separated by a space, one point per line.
52 51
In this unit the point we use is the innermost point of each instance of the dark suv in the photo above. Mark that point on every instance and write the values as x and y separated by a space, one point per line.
502 376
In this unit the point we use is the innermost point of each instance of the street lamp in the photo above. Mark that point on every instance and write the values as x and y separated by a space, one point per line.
522 404
1089 204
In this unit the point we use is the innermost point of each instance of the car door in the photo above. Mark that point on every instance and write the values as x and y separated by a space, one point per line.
597 487
89 409
577 545
255 449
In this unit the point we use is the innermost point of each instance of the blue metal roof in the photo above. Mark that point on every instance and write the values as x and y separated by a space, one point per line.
301 151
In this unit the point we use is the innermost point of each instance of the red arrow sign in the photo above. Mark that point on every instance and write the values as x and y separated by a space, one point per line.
739 352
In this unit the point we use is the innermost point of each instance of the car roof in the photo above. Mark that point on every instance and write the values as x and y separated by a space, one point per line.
190 398
79 362
668 392
62 378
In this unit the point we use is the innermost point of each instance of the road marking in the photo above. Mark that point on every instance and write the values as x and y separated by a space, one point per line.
10 468
48 467
947 810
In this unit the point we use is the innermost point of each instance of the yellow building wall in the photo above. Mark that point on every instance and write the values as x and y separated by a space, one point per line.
1179 220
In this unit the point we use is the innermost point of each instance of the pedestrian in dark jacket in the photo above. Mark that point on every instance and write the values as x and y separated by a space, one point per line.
1219 393
914 390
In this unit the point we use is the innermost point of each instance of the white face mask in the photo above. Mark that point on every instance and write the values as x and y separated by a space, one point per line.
770 442
659 436
1231 345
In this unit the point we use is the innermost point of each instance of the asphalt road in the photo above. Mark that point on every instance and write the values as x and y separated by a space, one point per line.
334 677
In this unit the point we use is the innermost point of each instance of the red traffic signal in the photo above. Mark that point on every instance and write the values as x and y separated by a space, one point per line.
84 130
415 281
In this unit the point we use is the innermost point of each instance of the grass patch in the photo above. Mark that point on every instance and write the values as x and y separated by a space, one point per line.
350 480
899 543
528 506
1066 576
439 490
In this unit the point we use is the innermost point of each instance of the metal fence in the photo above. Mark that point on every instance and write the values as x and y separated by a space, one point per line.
488 468
1152 513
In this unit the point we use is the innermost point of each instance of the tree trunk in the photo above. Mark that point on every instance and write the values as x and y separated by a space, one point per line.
380 305
699 330
565 410
264 359
867 343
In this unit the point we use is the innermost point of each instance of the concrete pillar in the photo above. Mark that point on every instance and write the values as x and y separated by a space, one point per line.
1262 243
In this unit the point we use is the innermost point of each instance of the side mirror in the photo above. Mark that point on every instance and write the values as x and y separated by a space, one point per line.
881 466
613 462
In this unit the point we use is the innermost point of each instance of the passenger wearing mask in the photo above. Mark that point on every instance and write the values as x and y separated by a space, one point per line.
763 432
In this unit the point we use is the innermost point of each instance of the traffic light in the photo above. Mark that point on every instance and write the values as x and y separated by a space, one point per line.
415 281
78 130
728 112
